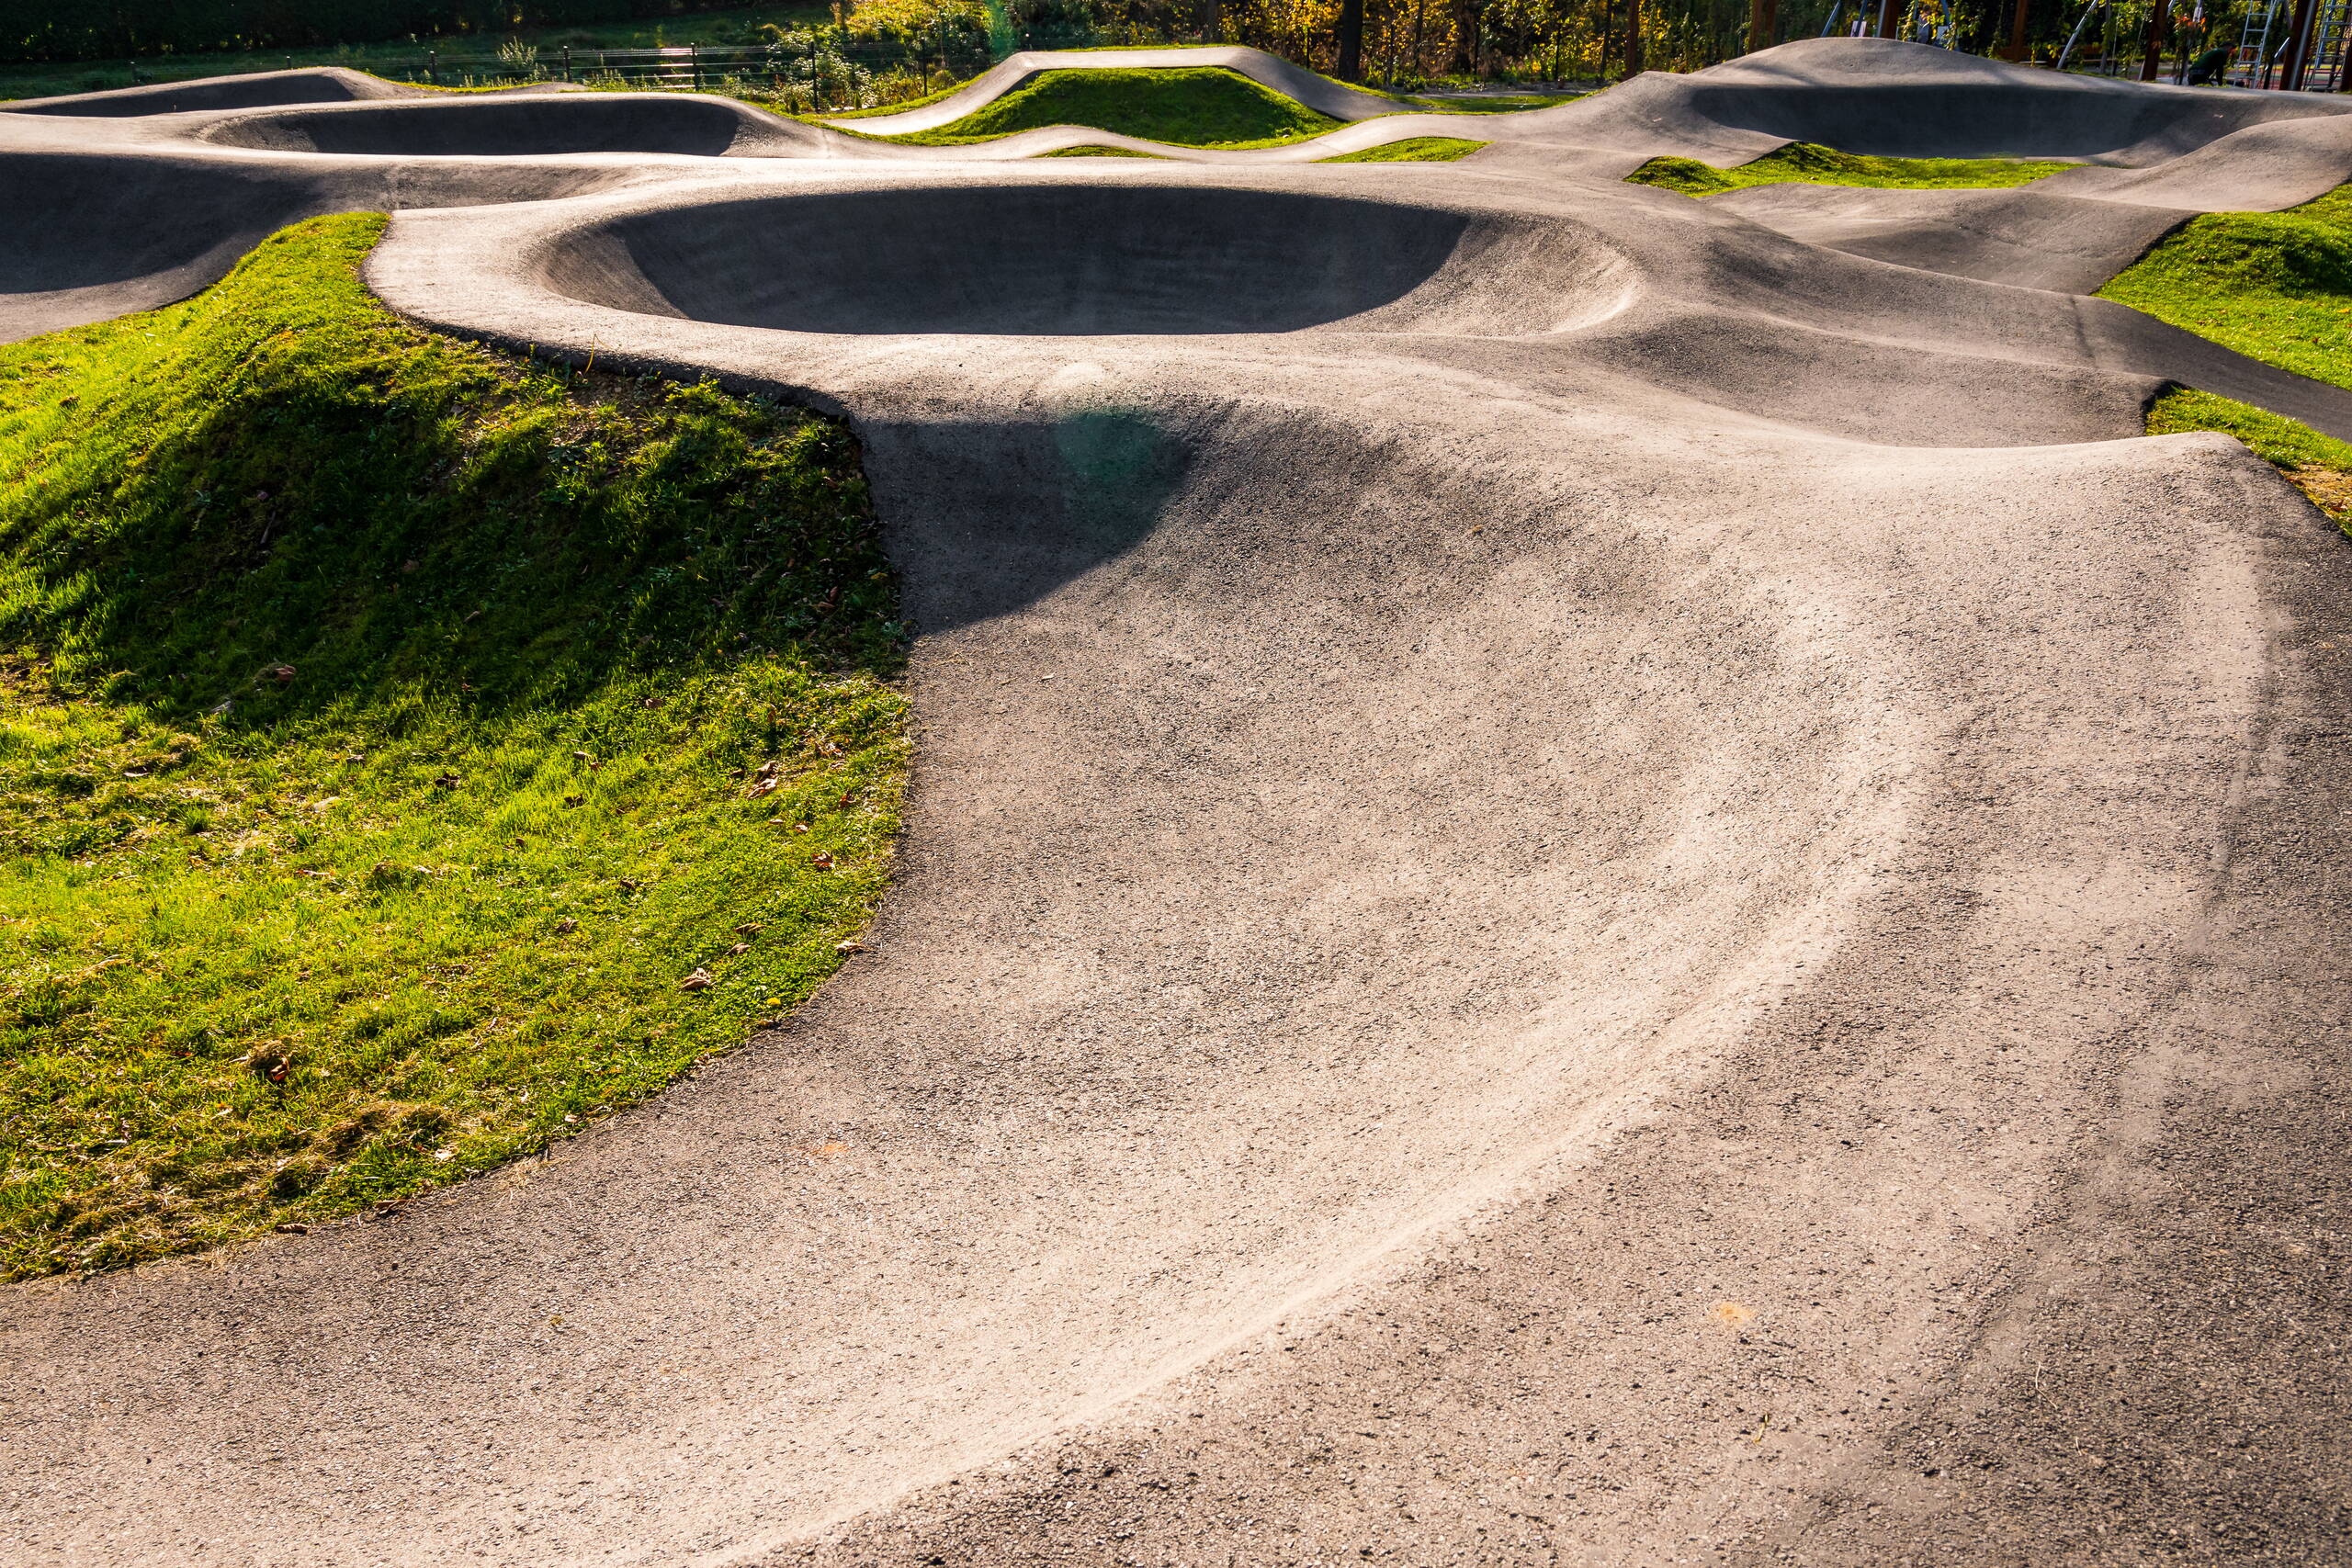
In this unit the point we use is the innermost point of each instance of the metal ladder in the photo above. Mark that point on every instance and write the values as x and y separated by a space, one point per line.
2330 23
2264 36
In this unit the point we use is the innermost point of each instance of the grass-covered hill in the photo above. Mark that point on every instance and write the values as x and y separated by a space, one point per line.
1191 106
1804 163
408 754
2274 286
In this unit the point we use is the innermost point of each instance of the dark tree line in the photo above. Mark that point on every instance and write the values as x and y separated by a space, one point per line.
115 29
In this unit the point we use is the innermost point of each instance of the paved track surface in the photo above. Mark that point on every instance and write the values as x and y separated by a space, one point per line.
1594 878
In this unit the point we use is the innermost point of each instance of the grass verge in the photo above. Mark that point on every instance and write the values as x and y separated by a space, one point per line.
2274 286
1803 163
1093 150
408 754
1188 107
2319 466
1413 149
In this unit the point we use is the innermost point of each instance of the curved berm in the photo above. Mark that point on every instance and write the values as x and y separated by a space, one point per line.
535 126
1596 878
321 84
1079 259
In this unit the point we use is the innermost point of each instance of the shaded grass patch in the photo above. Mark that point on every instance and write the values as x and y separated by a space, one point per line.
408 753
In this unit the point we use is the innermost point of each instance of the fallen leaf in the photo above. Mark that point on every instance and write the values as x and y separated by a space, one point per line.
698 981
821 861
575 801
446 781
291 1229
851 945
1731 1314
566 926
737 951
749 928
763 787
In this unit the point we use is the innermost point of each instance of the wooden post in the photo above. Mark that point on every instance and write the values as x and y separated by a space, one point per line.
1759 24
2015 48
2152 48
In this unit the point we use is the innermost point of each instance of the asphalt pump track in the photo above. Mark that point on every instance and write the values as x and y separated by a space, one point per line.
1594 878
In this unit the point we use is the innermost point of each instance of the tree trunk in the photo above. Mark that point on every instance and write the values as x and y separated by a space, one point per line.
1350 67
1466 40
1633 37
2015 48
1759 24
2151 57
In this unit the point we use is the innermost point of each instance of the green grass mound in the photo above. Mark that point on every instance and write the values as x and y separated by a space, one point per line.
1513 103
1413 149
2319 466
1092 151
1190 106
1803 163
408 753
2274 286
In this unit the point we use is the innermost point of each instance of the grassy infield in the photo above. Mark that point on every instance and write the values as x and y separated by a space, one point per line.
387 725
1188 107
380 751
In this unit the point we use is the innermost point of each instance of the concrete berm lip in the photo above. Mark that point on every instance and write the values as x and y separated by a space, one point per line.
1594 878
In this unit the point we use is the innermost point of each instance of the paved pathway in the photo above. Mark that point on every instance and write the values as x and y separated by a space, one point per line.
1594 878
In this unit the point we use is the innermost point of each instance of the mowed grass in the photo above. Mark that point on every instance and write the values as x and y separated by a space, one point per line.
395 736
1803 163
1413 149
2274 286
2319 466
1189 106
